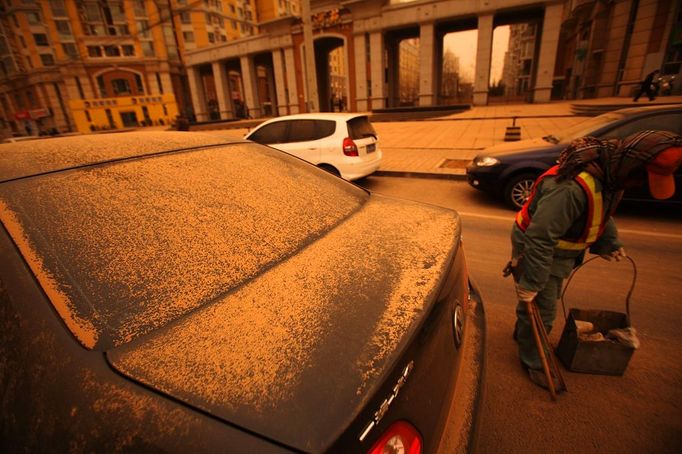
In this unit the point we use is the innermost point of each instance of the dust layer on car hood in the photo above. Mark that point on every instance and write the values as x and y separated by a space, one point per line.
123 248
296 352
34 157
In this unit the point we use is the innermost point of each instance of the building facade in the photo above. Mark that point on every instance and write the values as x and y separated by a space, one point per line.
90 65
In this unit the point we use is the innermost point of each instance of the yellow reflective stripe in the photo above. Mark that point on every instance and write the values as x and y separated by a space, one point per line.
519 218
563 244
597 215
593 233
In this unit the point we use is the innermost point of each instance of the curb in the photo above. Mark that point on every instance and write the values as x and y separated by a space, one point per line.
411 174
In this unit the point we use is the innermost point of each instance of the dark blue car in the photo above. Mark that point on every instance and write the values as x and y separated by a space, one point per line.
508 170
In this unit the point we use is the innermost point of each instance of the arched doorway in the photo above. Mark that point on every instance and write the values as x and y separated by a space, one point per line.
331 66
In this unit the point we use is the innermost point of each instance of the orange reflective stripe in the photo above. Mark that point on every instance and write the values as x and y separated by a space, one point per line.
523 217
595 222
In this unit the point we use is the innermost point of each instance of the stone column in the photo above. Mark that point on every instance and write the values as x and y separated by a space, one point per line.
360 73
376 45
197 91
548 48
222 90
290 64
427 62
309 65
483 57
249 80
282 102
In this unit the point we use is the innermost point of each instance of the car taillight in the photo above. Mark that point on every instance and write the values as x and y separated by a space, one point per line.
400 438
349 147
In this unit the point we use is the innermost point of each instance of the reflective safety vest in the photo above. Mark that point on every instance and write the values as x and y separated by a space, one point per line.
595 222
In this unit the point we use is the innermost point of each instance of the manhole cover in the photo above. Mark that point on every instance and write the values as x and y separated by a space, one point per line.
455 163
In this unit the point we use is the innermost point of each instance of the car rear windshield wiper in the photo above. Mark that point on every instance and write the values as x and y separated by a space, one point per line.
551 138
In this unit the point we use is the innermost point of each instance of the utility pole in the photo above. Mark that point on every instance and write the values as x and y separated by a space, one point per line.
312 97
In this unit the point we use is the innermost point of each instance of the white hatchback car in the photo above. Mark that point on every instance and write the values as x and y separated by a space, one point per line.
342 143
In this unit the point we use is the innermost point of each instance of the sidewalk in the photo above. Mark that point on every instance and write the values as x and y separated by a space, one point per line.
442 146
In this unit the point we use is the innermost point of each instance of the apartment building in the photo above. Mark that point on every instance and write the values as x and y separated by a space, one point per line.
89 65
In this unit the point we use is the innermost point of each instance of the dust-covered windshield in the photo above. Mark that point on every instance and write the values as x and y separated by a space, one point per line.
123 248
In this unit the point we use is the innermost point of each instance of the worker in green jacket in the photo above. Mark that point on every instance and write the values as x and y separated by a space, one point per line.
570 211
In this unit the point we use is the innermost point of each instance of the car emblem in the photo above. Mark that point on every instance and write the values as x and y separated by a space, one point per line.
458 324
383 408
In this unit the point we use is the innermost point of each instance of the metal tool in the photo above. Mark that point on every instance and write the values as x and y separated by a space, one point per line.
544 350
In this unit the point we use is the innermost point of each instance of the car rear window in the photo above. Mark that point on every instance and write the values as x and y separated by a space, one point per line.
126 247
360 128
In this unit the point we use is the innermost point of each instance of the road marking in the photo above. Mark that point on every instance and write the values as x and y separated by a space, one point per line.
510 219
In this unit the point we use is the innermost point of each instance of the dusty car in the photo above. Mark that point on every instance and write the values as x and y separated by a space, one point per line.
509 170
344 144
170 291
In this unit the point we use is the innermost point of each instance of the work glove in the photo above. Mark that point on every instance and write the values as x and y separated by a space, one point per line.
525 295
614 255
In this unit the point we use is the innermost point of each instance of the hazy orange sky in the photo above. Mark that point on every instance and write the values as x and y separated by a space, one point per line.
463 44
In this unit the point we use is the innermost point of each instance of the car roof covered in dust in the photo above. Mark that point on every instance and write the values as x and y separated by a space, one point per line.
35 157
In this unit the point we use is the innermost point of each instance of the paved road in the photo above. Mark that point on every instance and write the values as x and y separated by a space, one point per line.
639 412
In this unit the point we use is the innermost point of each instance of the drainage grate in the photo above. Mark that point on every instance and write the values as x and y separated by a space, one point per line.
454 163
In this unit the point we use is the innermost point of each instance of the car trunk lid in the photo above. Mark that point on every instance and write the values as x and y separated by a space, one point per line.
295 354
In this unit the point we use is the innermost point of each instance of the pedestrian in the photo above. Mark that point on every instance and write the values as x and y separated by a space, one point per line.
648 86
570 211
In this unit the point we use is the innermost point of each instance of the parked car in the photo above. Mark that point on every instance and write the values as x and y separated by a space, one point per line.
169 291
20 139
509 170
344 144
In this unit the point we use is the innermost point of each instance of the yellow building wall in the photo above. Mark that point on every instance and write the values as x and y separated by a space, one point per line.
96 109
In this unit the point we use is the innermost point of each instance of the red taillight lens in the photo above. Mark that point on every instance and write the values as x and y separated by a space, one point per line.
349 147
400 438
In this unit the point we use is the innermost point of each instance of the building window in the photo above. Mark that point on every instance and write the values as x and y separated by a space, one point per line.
128 50
40 39
138 84
158 82
140 9
31 99
80 88
58 8
70 50
47 59
112 51
143 28
121 87
33 17
188 37
94 51
148 48
185 17
211 37
87 116
63 27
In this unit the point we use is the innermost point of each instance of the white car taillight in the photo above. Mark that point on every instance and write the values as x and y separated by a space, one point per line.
349 147
401 437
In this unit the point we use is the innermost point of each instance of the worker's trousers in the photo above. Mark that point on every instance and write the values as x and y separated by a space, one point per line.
546 301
